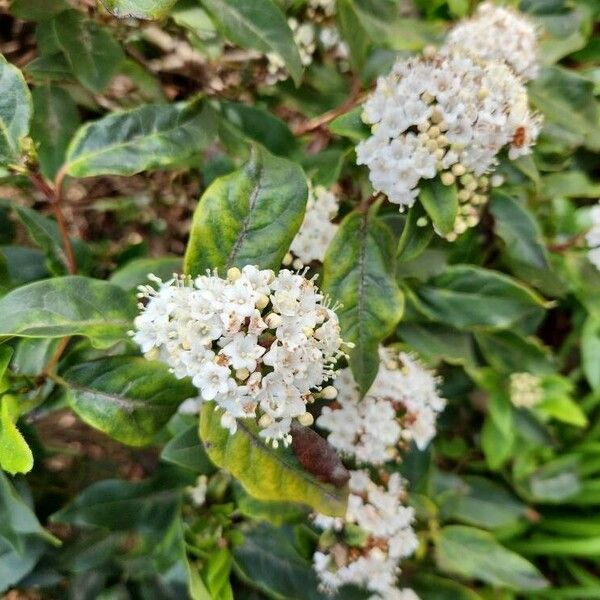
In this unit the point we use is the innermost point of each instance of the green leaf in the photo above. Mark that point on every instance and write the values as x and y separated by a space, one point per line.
135 272
149 137
358 272
23 264
568 184
441 203
433 587
496 443
66 306
216 572
590 351
15 454
524 246
248 217
470 297
270 561
45 233
474 553
55 120
567 101
139 9
149 506
260 25
477 501
434 341
16 565
33 10
350 125
127 397
266 473
93 54
186 450
353 31
509 352
416 234
15 111
261 126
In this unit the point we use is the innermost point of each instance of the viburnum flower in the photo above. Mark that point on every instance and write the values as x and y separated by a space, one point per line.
402 405
592 237
376 514
317 230
450 113
256 343
499 33
525 390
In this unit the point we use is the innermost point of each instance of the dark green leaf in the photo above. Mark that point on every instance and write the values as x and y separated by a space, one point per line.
129 398
186 450
34 10
15 111
269 560
265 472
260 25
128 142
471 552
590 351
350 125
93 54
416 234
493 299
359 272
55 120
68 306
248 217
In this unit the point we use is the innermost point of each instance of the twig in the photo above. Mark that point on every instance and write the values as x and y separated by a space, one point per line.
573 241
53 195
353 100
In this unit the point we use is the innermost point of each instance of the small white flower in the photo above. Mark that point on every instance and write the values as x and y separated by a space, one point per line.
525 390
212 379
197 493
243 351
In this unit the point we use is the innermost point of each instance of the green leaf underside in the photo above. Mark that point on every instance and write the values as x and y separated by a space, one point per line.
266 473
358 272
248 217
64 306
129 398
149 137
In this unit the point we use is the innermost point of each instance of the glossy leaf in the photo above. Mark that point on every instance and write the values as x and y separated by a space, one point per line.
248 217
136 272
265 472
269 560
15 111
91 51
441 203
149 137
129 398
65 306
55 120
260 25
590 351
358 272
494 300
140 9
416 234
471 552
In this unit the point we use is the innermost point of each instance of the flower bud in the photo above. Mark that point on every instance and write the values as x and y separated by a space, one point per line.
306 419
328 393
262 302
233 274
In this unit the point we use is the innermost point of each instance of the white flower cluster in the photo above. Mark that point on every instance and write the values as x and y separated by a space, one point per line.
592 237
402 405
448 113
499 33
525 390
317 230
386 524
257 343
305 36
